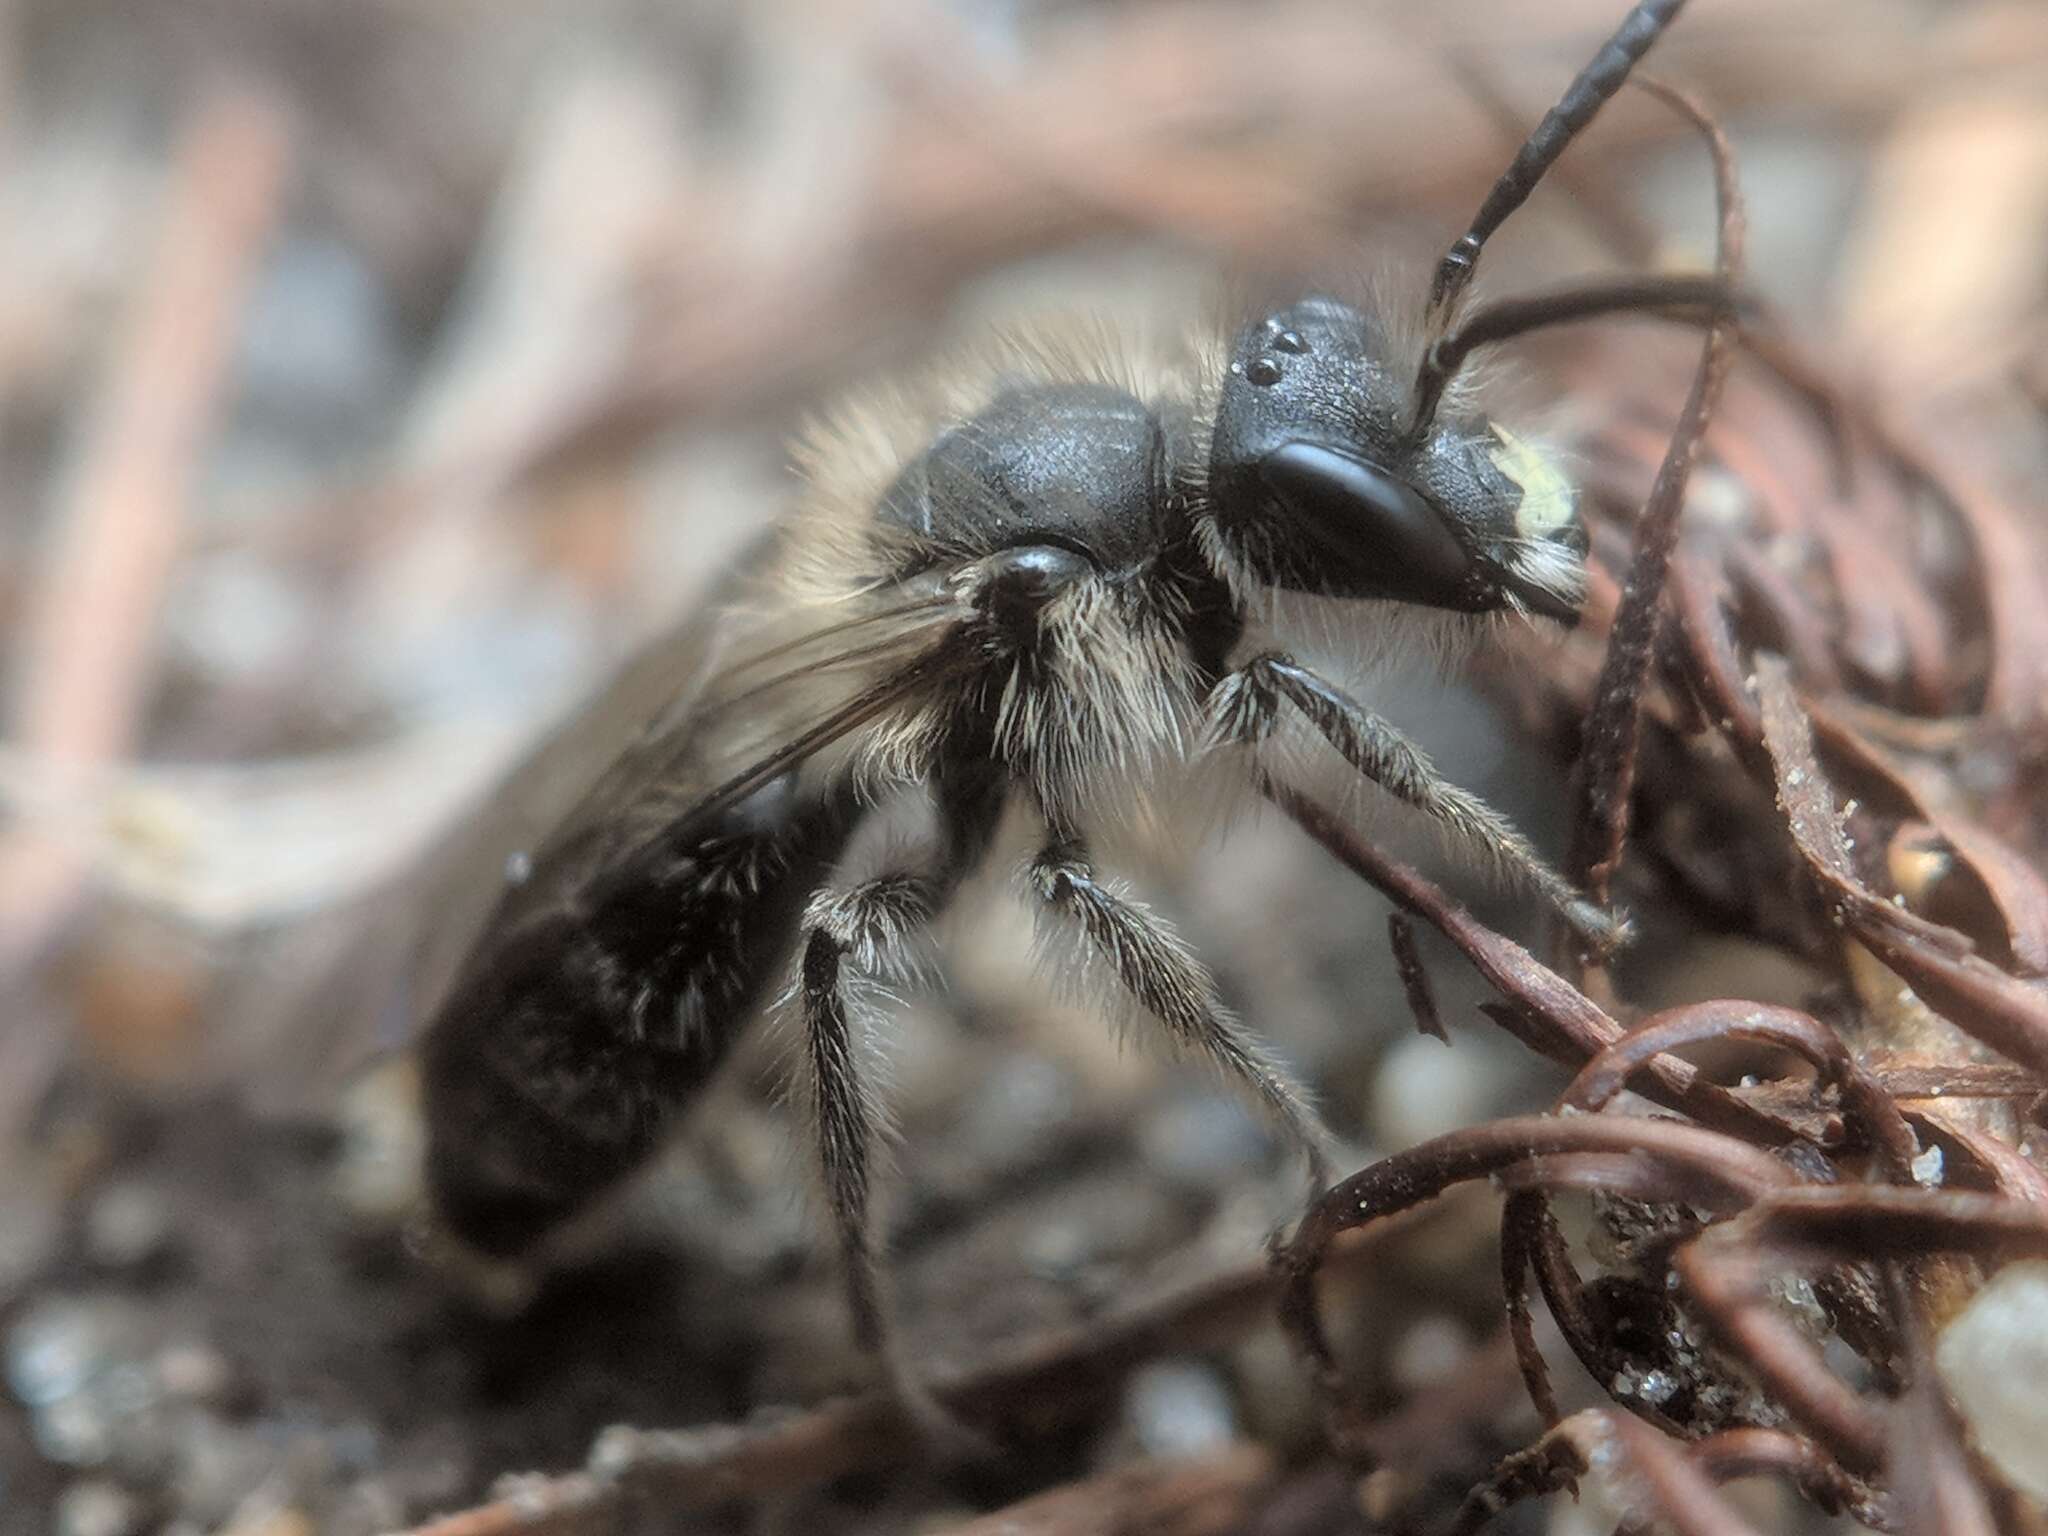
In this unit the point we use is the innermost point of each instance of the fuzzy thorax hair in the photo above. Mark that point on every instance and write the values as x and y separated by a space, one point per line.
1104 709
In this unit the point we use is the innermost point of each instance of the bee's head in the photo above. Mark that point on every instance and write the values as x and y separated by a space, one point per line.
1316 486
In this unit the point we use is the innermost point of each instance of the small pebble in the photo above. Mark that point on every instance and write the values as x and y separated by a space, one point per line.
379 1174
1022 1103
97 1507
1422 1091
1180 1408
127 1227
1993 1357
61 1342
221 1466
193 1373
1204 1139
82 1368
1054 1250
75 1431
1428 1351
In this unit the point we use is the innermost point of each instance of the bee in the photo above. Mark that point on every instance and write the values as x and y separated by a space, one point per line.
1052 587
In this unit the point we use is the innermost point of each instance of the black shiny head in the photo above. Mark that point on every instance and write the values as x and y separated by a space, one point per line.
1316 486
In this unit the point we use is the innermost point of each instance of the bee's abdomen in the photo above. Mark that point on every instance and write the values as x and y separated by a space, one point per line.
572 1040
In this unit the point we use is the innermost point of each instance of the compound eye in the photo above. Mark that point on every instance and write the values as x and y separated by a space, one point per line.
1375 533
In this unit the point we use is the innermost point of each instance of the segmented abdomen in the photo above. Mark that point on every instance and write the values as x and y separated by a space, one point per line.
577 1031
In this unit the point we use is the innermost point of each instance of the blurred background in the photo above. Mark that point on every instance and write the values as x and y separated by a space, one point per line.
376 378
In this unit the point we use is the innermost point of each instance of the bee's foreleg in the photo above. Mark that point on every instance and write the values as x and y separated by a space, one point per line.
1243 709
1169 983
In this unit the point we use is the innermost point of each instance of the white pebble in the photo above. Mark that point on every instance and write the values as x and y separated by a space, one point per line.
1993 1356
1179 1408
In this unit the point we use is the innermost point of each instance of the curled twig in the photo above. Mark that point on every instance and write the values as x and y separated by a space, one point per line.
1560 1021
1716 1170
1606 1074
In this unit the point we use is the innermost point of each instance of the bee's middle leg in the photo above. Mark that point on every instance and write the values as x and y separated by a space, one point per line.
1175 988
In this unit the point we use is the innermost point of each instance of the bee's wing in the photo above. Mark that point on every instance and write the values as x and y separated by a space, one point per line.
320 998
708 713
303 1005
312 1002
589 760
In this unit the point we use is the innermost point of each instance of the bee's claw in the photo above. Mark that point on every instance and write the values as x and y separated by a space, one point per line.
1603 931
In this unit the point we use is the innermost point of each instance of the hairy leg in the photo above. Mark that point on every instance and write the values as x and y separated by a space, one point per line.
870 931
1157 969
1245 706
865 931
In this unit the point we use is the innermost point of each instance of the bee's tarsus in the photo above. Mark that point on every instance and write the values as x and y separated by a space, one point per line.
859 929
1603 931
868 928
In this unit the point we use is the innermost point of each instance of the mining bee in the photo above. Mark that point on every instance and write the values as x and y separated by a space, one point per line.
1044 583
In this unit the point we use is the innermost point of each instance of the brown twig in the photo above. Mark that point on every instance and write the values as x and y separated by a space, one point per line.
1562 1023
1751 1452
1729 1268
1661 1480
1606 1074
1216 1493
1526 1223
89 650
1613 728
1036 1382
1414 977
1715 1169
87 657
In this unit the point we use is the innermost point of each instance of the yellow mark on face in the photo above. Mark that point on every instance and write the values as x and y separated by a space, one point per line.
1546 506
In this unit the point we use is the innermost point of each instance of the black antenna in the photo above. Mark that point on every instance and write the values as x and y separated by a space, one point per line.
1688 297
1586 95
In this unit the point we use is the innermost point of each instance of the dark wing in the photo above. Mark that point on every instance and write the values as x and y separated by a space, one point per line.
708 714
315 999
588 760
724 700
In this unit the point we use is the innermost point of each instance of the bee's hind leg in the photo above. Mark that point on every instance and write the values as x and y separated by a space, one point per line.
869 930
869 926
1158 970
